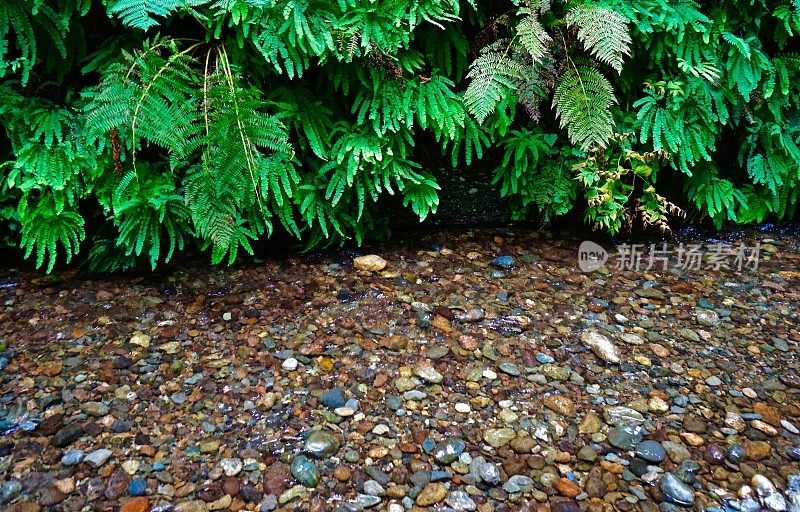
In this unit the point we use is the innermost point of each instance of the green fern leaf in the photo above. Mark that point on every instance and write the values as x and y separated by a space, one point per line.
604 33
583 99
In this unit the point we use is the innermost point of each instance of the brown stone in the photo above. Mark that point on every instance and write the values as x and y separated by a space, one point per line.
276 478
523 444
695 425
595 487
757 450
659 350
769 414
24 506
185 490
431 494
138 504
560 404
231 486
370 263
590 424
341 473
51 496
567 487
116 485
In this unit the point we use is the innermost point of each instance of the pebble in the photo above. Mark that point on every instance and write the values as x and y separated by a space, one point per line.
429 374
98 457
137 487
290 364
460 501
504 262
333 398
489 473
449 450
321 444
431 494
676 491
305 472
72 457
231 467
370 263
651 451
498 437
601 346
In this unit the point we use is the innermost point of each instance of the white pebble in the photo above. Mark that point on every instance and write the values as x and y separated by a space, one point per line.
463 408
290 364
790 427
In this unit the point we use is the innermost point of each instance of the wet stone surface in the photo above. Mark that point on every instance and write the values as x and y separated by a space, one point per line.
475 371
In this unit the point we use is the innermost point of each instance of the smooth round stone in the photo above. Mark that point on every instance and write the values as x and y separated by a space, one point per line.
98 457
305 471
363 501
460 500
651 451
321 444
676 491
498 437
489 473
373 488
503 261
137 487
509 368
449 450
333 398
714 454
72 457
793 453
518 483
290 364
624 438
463 408
736 454
544 358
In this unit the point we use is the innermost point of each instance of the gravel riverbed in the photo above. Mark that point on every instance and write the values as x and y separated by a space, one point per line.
467 371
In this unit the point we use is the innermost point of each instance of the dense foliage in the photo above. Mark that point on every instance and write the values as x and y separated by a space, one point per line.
135 128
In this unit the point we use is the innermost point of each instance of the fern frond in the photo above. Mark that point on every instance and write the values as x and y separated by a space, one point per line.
583 99
493 75
45 226
604 33
533 36
143 14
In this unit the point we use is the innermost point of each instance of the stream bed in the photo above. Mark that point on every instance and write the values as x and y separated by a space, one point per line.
473 370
